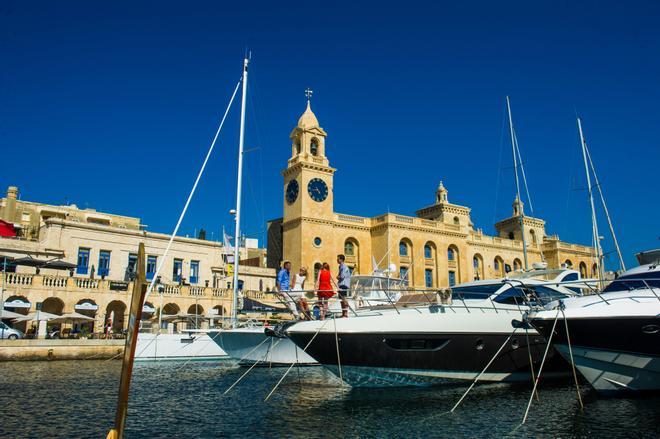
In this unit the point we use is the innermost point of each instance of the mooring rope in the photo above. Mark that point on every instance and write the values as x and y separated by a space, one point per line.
483 371
251 367
538 377
341 376
570 351
291 367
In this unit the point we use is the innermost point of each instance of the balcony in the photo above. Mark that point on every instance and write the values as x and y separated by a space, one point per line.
25 283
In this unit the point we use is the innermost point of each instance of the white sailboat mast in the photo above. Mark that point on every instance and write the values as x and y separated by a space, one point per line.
237 236
607 213
594 222
515 171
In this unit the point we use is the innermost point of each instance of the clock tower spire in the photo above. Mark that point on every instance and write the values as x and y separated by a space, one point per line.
308 182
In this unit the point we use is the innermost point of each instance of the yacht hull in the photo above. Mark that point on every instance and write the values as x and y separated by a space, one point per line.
251 345
177 347
613 353
381 359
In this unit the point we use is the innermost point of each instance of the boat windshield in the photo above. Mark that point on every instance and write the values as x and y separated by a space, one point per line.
474 292
517 296
376 287
635 282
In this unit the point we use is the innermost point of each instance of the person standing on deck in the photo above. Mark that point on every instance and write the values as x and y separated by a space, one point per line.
283 284
344 283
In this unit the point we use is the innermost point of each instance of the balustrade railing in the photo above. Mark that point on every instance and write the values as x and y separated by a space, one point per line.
88 284
197 291
54 281
18 279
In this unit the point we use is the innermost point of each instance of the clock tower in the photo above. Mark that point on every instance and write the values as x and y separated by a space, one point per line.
308 194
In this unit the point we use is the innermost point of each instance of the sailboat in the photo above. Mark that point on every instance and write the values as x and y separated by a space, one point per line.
613 336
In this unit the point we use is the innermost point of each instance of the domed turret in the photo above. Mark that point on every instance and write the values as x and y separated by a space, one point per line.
308 119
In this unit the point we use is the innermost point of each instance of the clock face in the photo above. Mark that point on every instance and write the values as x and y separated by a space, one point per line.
317 189
292 190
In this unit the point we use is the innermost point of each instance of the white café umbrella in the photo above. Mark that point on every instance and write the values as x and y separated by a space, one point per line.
6 314
40 316
72 317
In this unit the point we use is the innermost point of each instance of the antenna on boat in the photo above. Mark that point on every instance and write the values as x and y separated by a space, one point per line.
237 235
514 148
594 221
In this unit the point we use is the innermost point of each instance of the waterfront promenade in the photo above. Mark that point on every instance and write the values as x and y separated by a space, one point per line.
48 350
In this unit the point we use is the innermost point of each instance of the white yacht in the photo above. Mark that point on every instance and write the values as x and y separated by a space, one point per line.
190 345
614 335
422 344
269 346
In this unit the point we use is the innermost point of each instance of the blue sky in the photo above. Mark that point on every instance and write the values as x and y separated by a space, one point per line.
113 105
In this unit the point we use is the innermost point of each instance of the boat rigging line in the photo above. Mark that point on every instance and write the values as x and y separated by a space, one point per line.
192 192
514 146
607 213
570 352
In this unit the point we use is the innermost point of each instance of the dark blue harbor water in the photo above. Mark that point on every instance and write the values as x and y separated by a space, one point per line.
77 399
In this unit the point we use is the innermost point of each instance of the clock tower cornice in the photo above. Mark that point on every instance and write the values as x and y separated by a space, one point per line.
296 166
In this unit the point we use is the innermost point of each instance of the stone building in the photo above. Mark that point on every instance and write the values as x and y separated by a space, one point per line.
102 249
439 246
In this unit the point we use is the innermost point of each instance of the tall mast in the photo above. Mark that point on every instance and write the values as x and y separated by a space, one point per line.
607 213
594 222
515 171
237 236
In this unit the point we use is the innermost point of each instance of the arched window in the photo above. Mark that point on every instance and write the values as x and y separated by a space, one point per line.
349 248
517 265
297 146
451 254
314 147
533 235
594 270
583 269
498 266
457 221
478 266
428 251
403 248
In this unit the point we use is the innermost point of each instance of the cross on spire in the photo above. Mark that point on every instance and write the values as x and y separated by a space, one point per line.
309 92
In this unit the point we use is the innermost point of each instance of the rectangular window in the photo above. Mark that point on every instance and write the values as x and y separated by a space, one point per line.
428 252
452 278
194 272
132 263
104 262
151 266
83 261
177 269
428 277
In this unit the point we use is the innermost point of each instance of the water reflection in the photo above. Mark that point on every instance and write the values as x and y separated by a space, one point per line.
77 399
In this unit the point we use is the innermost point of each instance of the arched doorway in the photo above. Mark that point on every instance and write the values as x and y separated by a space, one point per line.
19 305
53 305
116 309
86 307
195 316
498 266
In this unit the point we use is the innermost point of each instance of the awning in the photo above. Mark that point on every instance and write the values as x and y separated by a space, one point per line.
86 306
17 303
